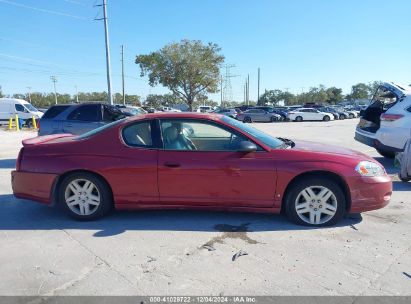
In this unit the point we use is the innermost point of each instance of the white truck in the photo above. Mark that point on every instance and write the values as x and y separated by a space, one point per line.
9 107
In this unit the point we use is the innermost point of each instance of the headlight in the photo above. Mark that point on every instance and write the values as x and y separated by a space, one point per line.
370 169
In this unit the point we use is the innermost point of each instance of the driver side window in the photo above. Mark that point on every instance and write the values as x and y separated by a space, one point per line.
198 135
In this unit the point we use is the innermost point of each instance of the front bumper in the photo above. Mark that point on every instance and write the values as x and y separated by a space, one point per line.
33 186
370 193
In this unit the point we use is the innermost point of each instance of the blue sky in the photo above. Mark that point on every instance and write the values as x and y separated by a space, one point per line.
296 43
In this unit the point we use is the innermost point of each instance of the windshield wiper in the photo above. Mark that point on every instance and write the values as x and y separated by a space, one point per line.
286 142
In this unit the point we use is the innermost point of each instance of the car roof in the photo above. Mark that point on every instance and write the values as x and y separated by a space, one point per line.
167 115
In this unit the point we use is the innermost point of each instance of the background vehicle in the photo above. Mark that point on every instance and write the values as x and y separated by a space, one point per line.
386 123
204 109
258 115
338 114
9 107
132 110
269 109
169 109
79 118
309 114
148 162
228 112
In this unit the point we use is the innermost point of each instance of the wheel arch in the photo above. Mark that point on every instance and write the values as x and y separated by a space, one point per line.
338 179
61 177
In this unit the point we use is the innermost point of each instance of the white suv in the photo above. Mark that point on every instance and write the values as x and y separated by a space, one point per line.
386 123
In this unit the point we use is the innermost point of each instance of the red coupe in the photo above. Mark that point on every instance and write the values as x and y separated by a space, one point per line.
197 161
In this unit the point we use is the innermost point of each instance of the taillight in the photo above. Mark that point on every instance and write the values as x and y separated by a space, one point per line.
18 161
390 117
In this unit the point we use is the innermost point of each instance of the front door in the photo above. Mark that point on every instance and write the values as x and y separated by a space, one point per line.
200 165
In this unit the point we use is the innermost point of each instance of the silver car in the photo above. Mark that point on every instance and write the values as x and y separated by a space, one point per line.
258 115
78 119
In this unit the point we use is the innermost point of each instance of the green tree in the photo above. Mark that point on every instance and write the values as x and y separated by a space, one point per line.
334 95
271 97
1 93
187 68
359 91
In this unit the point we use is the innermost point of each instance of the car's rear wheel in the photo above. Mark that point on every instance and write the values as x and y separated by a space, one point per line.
351 115
247 119
386 154
315 202
273 119
342 117
298 118
326 118
85 196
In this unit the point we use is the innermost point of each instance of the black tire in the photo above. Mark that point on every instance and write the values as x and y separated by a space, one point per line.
404 179
299 119
28 123
342 117
295 190
386 154
247 119
105 202
351 115
326 118
273 119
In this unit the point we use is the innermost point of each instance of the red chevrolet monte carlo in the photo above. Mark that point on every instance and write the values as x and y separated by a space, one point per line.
197 161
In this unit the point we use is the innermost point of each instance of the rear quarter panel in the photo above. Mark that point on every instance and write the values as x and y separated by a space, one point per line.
130 172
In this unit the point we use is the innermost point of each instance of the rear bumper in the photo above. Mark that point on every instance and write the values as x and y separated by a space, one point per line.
371 141
370 193
33 186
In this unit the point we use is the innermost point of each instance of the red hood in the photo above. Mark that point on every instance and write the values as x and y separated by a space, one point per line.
301 145
45 139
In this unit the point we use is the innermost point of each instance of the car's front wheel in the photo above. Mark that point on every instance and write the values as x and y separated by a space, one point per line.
351 115
315 202
247 119
298 118
85 196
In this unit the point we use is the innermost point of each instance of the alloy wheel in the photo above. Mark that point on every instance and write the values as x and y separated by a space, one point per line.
82 197
316 205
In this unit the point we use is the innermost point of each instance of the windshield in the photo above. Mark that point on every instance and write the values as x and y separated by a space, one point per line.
30 107
268 140
100 129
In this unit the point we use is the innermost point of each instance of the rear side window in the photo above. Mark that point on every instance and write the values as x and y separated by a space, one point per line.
112 114
54 111
86 113
138 135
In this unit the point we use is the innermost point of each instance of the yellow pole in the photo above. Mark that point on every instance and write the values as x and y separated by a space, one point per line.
10 123
17 123
34 122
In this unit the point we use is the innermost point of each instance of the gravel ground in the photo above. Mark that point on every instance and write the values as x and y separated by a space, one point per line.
161 253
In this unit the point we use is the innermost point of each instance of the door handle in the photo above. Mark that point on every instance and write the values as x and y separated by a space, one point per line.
171 164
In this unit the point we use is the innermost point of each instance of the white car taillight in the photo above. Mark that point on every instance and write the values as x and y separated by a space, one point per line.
391 117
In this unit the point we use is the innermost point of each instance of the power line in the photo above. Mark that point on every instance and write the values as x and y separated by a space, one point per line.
43 10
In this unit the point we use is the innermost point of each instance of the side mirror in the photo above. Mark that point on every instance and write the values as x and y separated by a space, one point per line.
247 147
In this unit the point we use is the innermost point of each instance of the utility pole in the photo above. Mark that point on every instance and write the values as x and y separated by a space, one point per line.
258 88
122 73
248 89
29 89
221 91
104 5
54 80
76 94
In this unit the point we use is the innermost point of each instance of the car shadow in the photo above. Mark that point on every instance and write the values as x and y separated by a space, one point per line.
7 163
17 214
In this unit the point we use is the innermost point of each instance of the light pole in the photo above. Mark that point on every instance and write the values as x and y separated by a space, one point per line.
54 79
29 89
